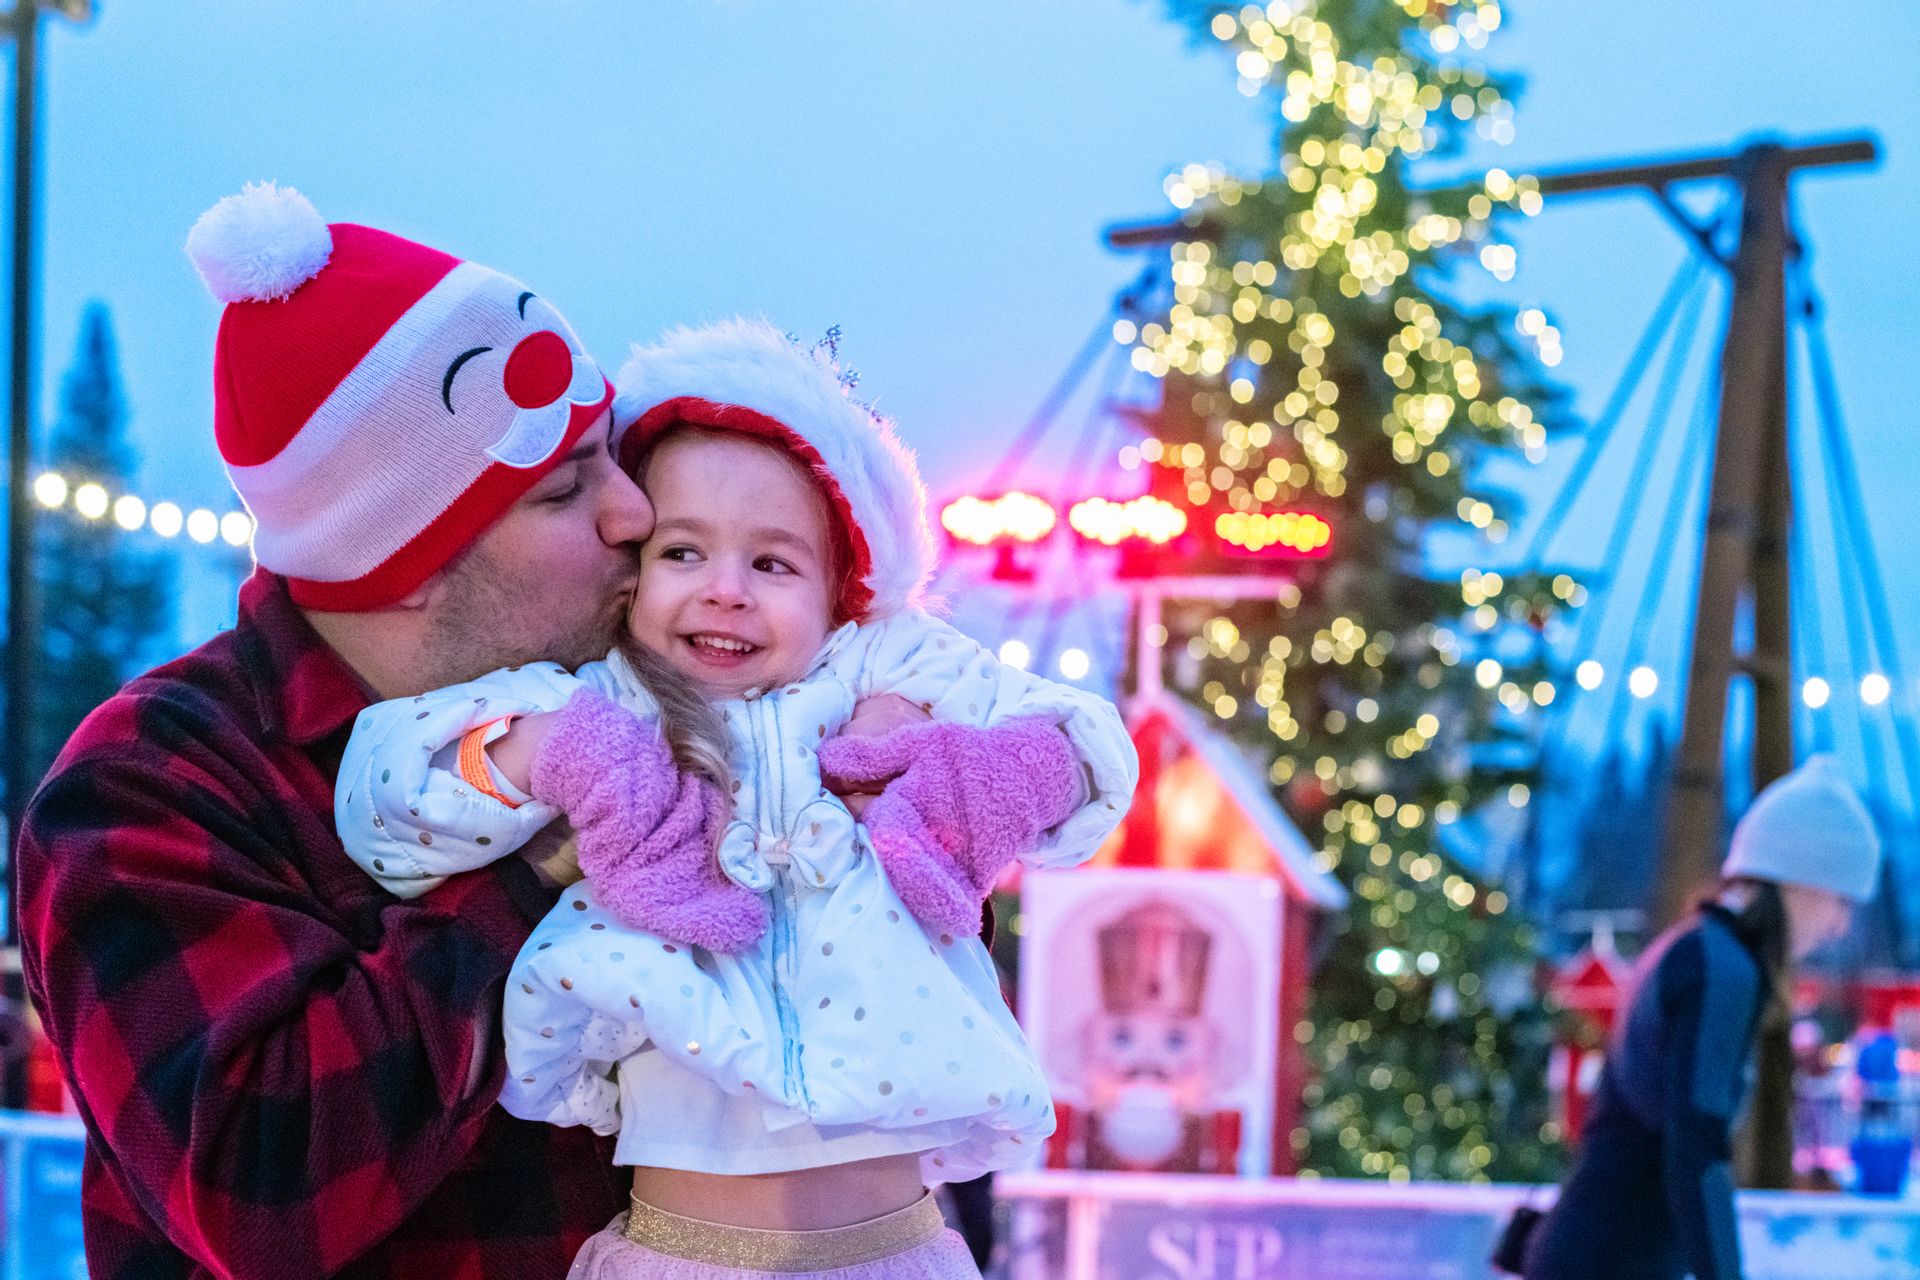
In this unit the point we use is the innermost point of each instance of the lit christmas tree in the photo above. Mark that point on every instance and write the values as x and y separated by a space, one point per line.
1309 365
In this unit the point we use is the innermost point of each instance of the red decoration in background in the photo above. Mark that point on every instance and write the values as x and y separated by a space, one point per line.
1592 988
1307 796
1155 536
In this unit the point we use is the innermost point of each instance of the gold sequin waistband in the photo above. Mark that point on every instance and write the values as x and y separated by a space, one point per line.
752 1249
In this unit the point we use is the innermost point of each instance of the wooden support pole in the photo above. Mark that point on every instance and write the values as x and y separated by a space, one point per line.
1750 361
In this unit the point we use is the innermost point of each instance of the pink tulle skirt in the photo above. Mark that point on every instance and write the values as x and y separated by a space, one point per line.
651 1244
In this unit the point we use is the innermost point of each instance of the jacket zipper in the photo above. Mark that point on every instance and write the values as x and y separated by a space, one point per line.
785 969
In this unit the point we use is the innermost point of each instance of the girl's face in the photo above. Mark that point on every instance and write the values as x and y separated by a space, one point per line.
735 585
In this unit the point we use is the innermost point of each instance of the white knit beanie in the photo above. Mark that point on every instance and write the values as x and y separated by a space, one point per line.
1809 828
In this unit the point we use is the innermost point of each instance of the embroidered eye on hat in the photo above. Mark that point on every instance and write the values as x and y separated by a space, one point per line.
378 403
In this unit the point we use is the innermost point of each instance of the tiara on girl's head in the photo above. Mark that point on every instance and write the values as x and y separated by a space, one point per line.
826 353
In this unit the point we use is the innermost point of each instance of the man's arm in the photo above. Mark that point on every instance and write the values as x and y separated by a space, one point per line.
406 811
276 1084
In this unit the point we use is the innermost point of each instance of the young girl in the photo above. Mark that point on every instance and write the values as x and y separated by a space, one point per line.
1651 1197
794 1035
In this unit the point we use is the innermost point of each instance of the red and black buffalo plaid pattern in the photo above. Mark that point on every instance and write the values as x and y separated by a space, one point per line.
276 1059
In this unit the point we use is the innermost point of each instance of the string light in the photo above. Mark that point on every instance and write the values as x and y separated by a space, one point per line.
1074 664
1370 108
1015 653
1111 523
203 526
1816 692
1299 531
1011 517
92 502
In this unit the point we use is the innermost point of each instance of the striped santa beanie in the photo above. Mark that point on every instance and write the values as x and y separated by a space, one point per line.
378 403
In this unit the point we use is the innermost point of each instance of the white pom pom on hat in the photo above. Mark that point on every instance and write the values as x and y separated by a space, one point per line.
260 245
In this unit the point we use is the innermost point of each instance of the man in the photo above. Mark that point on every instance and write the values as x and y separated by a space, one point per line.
285 1071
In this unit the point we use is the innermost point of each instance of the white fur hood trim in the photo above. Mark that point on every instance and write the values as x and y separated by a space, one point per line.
751 364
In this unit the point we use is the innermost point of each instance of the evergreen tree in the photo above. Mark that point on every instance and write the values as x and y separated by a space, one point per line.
104 599
1311 360
1622 830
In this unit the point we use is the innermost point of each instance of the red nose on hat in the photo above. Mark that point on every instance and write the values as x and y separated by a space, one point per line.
539 370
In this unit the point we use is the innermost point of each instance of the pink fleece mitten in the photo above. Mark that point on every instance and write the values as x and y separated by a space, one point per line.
963 803
647 832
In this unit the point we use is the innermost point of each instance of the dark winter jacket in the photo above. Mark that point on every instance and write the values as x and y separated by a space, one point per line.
1651 1197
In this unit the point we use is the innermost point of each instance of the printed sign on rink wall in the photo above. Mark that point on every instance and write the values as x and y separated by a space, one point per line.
1253 1242
1799 1242
1104 1226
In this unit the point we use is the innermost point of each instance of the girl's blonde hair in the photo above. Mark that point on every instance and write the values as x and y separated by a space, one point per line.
692 727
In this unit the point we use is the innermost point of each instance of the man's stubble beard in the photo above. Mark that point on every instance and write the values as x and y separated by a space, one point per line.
486 620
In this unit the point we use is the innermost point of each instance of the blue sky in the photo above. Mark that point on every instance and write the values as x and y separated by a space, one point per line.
931 176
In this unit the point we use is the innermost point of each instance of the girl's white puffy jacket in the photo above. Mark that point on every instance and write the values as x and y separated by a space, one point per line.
848 1031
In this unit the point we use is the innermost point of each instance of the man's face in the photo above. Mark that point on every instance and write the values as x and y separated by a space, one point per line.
551 579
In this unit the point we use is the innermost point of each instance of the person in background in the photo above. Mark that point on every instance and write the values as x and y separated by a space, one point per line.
1651 1196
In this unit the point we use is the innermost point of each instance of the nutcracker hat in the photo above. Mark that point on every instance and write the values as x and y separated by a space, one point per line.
379 404
746 376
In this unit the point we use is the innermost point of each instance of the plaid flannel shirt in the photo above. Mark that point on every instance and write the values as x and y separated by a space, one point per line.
275 1058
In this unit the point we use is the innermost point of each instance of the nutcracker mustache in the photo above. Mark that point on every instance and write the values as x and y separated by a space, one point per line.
1147 1073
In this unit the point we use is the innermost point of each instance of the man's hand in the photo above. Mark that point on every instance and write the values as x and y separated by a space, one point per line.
554 854
875 717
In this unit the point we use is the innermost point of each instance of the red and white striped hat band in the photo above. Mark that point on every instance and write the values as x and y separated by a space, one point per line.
379 404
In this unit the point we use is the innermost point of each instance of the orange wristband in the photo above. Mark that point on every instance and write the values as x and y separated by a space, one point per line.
473 763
